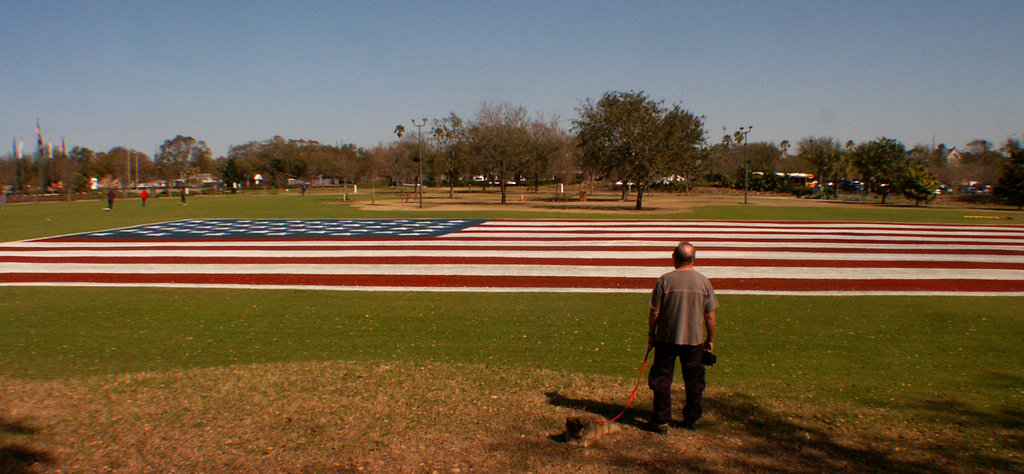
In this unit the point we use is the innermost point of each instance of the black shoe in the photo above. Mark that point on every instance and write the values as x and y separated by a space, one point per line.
688 423
659 428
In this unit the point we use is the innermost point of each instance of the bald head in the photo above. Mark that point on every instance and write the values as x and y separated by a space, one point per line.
684 254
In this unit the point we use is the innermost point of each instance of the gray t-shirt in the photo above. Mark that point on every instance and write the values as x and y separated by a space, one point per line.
682 298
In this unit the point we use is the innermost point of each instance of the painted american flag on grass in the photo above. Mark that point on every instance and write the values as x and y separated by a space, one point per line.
758 257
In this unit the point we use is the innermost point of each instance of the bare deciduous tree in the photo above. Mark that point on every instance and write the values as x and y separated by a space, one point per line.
499 141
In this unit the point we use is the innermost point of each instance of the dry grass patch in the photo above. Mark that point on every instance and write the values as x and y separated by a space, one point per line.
524 198
349 416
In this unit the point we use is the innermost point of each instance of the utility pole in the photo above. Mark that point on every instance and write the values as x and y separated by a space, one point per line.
419 173
746 163
128 172
344 179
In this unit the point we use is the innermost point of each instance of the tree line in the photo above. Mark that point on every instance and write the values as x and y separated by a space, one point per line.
621 137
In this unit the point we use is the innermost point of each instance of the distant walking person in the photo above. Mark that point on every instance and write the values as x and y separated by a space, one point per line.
144 195
681 324
184 192
110 200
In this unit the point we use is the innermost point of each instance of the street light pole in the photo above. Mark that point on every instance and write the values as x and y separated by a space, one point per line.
419 173
746 163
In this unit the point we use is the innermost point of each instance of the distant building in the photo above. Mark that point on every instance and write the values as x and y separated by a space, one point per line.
954 158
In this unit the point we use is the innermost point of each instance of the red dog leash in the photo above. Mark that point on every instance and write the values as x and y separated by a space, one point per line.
638 380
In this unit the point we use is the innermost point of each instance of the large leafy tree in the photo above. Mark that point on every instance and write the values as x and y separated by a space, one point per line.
681 147
232 173
84 161
8 173
629 136
917 183
1011 183
111 164
617 134
278 159
978 164
181 157
881 163
763 156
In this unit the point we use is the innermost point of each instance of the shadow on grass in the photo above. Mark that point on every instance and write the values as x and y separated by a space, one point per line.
779 441
16 427
17 457
1005 424
804 448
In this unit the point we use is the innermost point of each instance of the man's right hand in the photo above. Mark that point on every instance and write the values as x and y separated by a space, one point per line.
709 346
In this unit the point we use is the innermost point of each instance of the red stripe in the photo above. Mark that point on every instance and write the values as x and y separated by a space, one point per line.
544 248
440 281
456 281
696 240
940 285
592 262
779 231
761 223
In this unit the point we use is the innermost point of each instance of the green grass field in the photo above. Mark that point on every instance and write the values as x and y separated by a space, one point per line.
872 350
935 366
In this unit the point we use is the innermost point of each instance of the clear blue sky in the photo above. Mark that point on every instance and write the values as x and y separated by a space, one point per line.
107 73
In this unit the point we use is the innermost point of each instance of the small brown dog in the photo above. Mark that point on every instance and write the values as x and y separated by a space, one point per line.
586 430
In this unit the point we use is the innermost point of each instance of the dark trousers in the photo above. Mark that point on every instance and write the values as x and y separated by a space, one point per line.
660 380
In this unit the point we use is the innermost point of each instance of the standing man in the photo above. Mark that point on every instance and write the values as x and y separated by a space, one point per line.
110 200
681 324
144 195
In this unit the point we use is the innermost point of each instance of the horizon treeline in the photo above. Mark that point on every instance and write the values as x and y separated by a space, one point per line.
622 137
